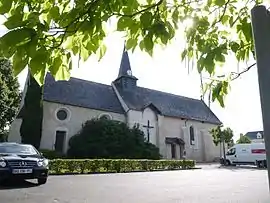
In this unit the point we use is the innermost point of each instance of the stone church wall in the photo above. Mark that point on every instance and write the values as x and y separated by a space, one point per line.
76 117
203 148
14 132
142 118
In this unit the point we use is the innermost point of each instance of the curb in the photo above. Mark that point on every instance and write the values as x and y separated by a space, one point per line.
97 173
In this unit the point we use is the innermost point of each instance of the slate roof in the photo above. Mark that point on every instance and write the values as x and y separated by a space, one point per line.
253 134
169 104
82 93
93 95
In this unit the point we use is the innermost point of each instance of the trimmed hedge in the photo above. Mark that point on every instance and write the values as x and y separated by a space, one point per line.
84 166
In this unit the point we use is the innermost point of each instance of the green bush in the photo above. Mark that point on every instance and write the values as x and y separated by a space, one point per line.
83 166
108 139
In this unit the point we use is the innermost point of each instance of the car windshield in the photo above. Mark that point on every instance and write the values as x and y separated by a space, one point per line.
17 149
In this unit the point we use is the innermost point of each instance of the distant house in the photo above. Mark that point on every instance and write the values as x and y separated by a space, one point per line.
255 136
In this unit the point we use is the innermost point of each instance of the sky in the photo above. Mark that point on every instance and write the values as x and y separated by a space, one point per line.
165 72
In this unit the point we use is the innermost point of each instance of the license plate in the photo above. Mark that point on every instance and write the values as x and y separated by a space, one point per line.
22 171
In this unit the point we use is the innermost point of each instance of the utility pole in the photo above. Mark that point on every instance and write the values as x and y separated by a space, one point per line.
223 143
260 18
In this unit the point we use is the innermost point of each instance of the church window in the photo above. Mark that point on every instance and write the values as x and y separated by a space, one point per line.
191 135
62 114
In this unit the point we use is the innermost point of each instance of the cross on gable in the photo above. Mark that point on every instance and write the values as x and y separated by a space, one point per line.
148 127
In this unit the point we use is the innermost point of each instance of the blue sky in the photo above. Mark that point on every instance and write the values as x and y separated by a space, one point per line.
165 72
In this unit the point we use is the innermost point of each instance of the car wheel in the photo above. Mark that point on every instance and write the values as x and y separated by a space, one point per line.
228 163
42 181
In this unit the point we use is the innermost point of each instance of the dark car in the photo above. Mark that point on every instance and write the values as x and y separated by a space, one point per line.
22 161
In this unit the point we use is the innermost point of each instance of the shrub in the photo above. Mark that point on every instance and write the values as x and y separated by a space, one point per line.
108 139
81 166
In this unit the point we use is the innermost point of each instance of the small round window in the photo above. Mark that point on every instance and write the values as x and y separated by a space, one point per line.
62 114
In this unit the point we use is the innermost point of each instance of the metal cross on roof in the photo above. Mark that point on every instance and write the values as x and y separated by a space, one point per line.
148 127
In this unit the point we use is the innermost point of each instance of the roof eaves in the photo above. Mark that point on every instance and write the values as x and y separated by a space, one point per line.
81 106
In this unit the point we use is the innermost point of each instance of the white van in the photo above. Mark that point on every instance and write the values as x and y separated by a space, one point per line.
247 154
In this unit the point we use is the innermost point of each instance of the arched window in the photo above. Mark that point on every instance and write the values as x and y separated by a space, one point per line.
191 135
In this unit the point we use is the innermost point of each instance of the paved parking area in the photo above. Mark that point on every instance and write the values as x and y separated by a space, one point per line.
210 184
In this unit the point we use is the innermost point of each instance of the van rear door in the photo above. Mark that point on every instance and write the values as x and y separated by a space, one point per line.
244 154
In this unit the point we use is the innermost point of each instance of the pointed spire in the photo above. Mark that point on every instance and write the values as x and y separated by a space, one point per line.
125 68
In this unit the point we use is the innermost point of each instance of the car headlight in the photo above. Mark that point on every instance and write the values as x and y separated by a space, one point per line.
3 164
44 163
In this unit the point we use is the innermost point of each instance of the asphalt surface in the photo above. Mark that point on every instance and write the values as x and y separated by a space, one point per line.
208 185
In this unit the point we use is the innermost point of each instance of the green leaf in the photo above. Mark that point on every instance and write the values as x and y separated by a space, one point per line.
54 12
31 47
247 31
141 45
175 15
17 37
14 21
38 65
209 63
220 57
123 23
219 2
183 54
225 19
148 44
131 43
5 6
221 101
20 60
102 51
216 91
84 53
234 46
59 70
146 19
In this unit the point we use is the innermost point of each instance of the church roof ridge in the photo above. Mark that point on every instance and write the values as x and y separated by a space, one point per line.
90 81
169 93
169 104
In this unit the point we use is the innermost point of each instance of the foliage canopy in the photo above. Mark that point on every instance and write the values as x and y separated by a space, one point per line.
219 134
110 139
243 140
45 34
9 97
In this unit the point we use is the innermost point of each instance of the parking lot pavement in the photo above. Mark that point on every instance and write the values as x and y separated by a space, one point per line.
211 184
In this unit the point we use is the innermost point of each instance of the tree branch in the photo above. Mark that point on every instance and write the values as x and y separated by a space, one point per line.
141 11
244 71
92 4
223 13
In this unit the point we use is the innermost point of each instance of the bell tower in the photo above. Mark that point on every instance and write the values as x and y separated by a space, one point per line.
125 79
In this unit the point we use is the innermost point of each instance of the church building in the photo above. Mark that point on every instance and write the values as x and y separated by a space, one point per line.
173 123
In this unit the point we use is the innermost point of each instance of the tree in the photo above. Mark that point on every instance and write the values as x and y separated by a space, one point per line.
243 140
9 97
100 138
46 34
224 136
32 114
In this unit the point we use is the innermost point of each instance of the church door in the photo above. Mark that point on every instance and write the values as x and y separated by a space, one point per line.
173 150
59 141
182 148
